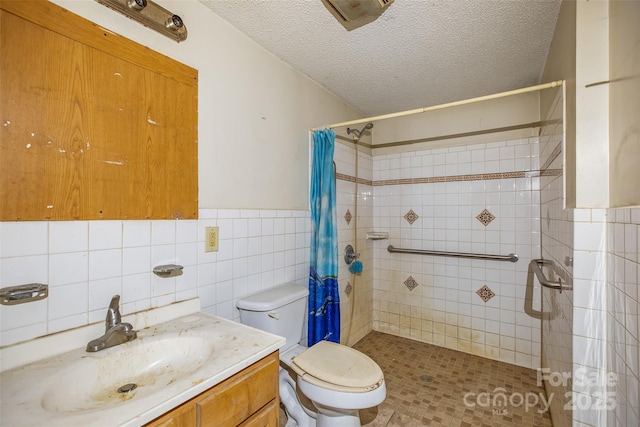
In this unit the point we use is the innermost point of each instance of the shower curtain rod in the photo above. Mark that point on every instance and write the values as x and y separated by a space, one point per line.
447 105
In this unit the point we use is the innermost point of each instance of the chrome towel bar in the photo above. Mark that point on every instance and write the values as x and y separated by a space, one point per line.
536 265
510 257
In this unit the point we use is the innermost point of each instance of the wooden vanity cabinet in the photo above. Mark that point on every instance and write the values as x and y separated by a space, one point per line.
248 399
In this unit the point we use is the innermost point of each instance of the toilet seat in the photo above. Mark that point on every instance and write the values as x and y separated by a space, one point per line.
337 367
289 354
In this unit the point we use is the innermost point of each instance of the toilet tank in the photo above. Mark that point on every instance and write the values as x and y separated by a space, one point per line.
280 311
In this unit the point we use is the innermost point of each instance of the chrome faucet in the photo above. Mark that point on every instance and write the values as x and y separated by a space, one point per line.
116 332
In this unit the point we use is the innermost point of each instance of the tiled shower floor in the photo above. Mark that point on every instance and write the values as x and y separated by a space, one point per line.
426 385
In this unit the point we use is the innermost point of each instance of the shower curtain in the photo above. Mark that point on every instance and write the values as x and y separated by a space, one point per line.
324 298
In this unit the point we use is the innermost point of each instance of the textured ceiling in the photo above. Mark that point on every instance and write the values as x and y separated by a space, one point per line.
418 53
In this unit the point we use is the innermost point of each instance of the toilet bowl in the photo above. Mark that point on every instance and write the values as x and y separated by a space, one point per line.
300 410
339 381
324 385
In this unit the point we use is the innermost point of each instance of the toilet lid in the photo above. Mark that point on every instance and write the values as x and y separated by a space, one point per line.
339 367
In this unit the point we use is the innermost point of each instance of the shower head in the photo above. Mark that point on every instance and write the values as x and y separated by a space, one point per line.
357 132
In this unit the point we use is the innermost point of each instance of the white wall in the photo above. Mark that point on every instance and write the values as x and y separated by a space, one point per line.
592 330
624 67
623 225
254 111
591 172
594 327
579 54
482 119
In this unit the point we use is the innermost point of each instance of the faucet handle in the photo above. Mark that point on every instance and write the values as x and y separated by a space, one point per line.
115 302
113 313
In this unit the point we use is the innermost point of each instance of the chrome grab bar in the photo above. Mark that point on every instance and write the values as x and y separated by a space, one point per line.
510 257
536 266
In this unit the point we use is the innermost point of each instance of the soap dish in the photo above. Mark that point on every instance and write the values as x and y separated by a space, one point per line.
167 270
377 235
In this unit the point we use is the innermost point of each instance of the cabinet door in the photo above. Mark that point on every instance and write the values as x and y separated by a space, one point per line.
237 398
100 126
182 416
266 417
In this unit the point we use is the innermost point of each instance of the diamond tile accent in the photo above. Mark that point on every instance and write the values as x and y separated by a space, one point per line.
485 293
348 289
411 283
348 217
485 217
411 216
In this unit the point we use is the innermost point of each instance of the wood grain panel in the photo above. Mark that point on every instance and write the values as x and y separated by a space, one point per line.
59 20
182 416
237 398
88 135
246 399
266 417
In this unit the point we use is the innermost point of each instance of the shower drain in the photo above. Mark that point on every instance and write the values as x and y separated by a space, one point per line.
426 378
127 388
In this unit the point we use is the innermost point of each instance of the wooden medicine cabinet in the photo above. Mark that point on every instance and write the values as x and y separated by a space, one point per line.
92 125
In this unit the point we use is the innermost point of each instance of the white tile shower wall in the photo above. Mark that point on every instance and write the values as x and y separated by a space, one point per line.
623 307
590 333
444 308
87 262
356 307
557 244
589 316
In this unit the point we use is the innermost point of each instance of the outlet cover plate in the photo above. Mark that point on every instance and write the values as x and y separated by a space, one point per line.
211 239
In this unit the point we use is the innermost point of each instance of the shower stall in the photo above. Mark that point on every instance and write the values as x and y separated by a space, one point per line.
354 204
494 190
474 199
470 198
479 198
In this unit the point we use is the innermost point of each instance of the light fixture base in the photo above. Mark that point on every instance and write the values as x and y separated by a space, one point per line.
151 15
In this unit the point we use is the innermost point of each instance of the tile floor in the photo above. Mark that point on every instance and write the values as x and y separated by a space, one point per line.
427 385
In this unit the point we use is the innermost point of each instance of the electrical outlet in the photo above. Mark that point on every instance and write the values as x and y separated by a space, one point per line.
211 239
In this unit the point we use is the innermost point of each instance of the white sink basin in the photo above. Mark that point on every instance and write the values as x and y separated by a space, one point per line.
151 365
170 362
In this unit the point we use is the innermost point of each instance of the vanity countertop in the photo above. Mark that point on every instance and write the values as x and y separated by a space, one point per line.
190 352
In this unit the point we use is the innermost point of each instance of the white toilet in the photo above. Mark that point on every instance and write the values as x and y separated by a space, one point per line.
333 381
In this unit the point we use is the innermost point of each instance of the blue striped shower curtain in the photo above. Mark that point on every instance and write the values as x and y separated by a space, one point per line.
324 298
